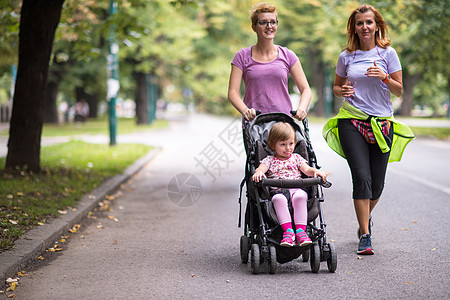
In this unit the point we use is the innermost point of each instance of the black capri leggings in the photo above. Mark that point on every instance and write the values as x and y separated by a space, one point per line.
366 161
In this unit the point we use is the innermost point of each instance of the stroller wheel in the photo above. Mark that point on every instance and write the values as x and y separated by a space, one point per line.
332 258
245 247
305 256
315 258
272 259
255 259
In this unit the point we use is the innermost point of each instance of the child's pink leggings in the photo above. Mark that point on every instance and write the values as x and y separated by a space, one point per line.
299 200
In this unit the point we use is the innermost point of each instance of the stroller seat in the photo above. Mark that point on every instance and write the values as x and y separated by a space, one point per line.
262 233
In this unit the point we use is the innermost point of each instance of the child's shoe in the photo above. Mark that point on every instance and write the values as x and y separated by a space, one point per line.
302 238
288 238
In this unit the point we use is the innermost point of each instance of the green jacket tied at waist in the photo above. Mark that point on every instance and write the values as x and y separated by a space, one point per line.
402 133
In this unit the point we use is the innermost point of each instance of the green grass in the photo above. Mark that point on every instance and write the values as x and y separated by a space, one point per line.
95 127
441 133
70 170
437 132
98 126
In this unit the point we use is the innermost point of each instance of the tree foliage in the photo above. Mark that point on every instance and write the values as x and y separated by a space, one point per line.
189 44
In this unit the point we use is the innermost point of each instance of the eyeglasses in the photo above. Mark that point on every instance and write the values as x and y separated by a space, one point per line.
272 23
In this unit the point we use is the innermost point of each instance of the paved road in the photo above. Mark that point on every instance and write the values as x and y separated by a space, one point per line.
156 245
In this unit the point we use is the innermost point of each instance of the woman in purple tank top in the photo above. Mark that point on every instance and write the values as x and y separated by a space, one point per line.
265 69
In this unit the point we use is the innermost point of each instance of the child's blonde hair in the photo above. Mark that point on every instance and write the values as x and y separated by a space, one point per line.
280 131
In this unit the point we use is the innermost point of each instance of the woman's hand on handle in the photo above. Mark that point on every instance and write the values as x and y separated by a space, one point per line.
249 114
300 114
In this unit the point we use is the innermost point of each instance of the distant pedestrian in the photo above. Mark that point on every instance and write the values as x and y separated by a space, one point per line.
265 69
81 111
364 131
287 165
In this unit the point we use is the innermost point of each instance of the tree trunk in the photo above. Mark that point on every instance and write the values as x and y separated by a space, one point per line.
50 107
141 98
55 76
318 81
409 81
38 22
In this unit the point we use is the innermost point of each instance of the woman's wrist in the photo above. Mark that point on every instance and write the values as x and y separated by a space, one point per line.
387 77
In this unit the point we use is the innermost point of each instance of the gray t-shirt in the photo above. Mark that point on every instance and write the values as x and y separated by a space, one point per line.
372 96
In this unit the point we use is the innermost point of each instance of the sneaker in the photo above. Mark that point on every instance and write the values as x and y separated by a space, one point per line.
288 238
365 245
370 227
302 238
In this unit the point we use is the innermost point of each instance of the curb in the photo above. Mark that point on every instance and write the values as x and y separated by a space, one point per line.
38 239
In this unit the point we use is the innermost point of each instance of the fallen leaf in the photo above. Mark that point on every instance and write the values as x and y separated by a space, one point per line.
12 287
11 280
433 249
414 222
100 226
409 282
193 275
22 274
404 229
55 249
41 223
75 228
41 257
10 196
13 222
19 194
62 212
63 240
11 296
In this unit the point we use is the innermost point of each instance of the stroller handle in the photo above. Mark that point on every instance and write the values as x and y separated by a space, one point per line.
294 183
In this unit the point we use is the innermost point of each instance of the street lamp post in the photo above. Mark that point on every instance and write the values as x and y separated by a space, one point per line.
113 77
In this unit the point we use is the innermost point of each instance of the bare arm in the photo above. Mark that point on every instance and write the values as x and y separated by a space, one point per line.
312 172
302 83
234 96
395 84
260 172
342 87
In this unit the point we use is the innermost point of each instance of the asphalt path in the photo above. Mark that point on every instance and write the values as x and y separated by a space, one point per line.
162 239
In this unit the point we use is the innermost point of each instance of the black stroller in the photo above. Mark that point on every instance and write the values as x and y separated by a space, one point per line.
262 233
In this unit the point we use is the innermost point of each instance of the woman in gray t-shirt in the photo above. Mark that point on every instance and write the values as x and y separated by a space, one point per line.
367 72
